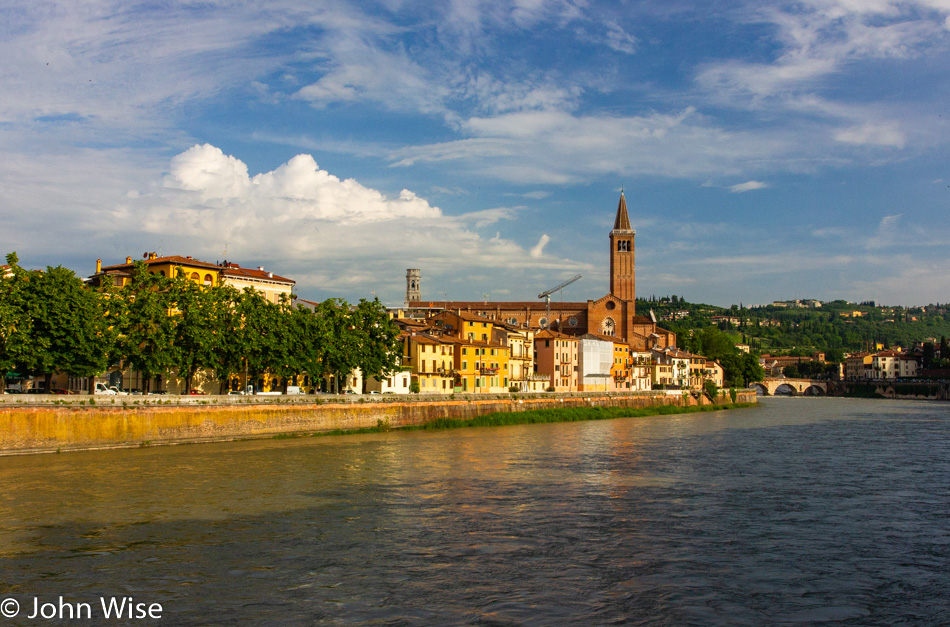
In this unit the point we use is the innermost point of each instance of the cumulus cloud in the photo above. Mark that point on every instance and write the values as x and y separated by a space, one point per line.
748 186
327 233
298 190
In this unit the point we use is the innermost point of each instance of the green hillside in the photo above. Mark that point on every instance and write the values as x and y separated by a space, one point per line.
834 328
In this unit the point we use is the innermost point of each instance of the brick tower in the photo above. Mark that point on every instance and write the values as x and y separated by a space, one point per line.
622 266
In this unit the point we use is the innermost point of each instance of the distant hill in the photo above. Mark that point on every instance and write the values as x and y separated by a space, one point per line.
834 327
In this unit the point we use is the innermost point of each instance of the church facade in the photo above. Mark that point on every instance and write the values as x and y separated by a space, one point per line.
613 314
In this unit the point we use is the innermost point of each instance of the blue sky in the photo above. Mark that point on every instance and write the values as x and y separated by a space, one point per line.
768 150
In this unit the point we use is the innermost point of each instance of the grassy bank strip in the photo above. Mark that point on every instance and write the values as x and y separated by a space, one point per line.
568 414
535 416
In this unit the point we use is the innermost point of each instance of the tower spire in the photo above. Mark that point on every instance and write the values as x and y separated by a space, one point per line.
622 221
622 261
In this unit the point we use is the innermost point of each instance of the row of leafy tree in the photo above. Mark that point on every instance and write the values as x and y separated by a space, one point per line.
51 322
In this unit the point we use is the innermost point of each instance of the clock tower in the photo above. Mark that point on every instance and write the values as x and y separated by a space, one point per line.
622 267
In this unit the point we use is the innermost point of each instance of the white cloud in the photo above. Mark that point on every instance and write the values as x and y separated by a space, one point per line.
558 147
872 134
619 40
326 232
538 249
748 186
888 233
298 189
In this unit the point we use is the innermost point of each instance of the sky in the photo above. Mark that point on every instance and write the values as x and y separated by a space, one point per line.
767 150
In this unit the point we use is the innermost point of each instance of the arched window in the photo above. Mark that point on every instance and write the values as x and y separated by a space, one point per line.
208 280
194 276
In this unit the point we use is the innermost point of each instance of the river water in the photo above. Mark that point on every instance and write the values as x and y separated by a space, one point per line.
799 511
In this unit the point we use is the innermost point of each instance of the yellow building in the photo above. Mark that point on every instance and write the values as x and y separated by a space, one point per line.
120 275
273 287
621 370
481 354
520 343
481 367
431 363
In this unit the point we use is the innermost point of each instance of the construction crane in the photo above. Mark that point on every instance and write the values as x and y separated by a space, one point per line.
547 295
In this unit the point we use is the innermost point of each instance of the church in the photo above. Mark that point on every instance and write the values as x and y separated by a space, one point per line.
612 315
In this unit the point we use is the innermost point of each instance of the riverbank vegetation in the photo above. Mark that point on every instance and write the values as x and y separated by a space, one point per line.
537 416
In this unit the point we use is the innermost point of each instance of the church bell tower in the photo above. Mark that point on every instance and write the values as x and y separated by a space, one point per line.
622 266
413 285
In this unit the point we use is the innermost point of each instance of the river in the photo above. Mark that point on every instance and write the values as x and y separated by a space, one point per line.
799 511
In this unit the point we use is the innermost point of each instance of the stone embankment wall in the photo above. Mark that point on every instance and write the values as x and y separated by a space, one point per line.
910 389
36 428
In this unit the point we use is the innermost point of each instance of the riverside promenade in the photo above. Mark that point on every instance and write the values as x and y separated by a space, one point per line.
51 423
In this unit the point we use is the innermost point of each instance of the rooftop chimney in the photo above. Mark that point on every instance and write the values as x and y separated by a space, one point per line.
128 260
98 266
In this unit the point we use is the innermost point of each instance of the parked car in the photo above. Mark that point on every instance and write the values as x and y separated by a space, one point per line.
197 393
119 391
103 389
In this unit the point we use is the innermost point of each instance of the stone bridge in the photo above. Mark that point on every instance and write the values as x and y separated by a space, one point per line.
795 387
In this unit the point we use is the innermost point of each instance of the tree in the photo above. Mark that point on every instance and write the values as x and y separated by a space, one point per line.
340 354
259 320
310 338
147 340
288 344
196 339
228 358
14 323
378 353
69 331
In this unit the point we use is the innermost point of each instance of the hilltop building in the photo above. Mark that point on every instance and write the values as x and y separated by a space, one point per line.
613 315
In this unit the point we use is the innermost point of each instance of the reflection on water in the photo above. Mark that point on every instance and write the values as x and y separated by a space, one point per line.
799 511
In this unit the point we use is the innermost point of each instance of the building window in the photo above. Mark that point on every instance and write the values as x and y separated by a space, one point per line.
208 280
195 277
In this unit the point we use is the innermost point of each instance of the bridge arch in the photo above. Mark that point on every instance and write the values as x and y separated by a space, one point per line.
814 390
785 389
760 388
